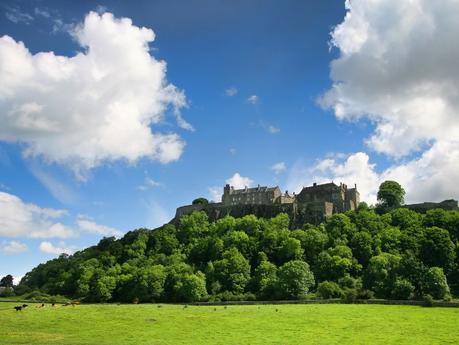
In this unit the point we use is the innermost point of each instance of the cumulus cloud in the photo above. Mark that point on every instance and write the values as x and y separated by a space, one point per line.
279 167
431 177
12 247
238 181
232 91
61 248
95 106
355 168
215 193
254 99
20 219
397 69
87 224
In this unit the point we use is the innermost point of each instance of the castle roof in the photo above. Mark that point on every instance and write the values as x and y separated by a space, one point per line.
258 189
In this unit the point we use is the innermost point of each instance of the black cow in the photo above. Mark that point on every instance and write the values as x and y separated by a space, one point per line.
18 308
25 305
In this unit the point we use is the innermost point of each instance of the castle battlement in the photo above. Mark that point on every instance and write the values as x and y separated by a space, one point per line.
313 204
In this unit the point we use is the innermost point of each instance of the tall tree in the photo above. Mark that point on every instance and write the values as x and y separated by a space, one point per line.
391 194
7 281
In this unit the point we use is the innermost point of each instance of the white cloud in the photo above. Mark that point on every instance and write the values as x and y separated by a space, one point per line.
238 181
355 169
254 99
42 12
431 177
87 224
59 190
273 129
15 15
279 167
12 247
397 69
61 248
20 219
148 183
96 106
232 91
215 193
232 151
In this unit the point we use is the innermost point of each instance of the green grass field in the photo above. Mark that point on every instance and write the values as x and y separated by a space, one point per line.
255 324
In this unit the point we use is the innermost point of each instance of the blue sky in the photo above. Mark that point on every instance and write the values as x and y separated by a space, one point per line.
275 93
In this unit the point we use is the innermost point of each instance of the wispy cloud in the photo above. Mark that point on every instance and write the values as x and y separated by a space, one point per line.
16 15
61 248
279 167
58 189
254 99
271 129
148 183
232 91
87 224
215 193
12 247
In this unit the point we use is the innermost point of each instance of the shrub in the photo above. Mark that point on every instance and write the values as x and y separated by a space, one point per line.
403 289
328 289
435 283
349 295
365 294
428 300
7 292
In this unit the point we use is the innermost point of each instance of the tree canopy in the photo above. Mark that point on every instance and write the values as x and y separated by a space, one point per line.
391 194
399 254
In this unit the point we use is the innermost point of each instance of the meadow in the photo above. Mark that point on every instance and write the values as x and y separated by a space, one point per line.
253 324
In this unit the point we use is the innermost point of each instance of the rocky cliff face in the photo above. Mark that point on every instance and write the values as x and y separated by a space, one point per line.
299 214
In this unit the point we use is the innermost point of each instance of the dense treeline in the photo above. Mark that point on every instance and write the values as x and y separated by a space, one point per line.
399 254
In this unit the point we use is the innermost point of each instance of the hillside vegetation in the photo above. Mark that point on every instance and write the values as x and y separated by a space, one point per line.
399 254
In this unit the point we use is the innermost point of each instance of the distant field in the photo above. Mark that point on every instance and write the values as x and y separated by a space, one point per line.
255 324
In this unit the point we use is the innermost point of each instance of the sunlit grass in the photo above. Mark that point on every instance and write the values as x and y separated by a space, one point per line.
255 324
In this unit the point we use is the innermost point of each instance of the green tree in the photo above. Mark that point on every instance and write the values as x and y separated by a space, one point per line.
290 249
435 283
233 271
264 280
294 279
191 287
200 201
390 195
313 241
437 249
402 289
381 274
7 281
328 289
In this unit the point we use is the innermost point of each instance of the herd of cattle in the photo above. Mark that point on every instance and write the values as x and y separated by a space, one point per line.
72 303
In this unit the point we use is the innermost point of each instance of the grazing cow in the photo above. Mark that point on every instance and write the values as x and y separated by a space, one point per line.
52 305
18 308
42 305
25 305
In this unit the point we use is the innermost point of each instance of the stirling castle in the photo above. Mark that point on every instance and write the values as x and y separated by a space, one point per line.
312 205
